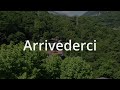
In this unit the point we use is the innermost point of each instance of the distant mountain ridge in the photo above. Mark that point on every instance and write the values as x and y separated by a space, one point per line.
108 18
68 13
78 13
95 13
56 13
85 13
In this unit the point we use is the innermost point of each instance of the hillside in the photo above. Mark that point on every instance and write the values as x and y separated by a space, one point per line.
95 13
109 18
36 26
68 13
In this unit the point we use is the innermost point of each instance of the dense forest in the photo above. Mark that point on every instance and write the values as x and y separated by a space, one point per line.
18 26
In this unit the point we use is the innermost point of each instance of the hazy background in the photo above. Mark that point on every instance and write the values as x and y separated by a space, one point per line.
72 13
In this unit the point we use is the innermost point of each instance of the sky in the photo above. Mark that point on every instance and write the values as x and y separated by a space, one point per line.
72 13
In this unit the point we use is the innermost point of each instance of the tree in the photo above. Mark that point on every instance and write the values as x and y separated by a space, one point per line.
51 67
17 37
106 67
75 68
18 64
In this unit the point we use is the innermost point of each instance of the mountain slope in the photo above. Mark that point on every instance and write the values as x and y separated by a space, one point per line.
68 13
95 13
109 18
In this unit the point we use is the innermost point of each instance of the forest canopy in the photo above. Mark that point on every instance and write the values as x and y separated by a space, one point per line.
38 26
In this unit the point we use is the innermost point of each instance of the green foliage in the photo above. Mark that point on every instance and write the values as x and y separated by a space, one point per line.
15 63
17 37
17 26
52 67
106 67
75 68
